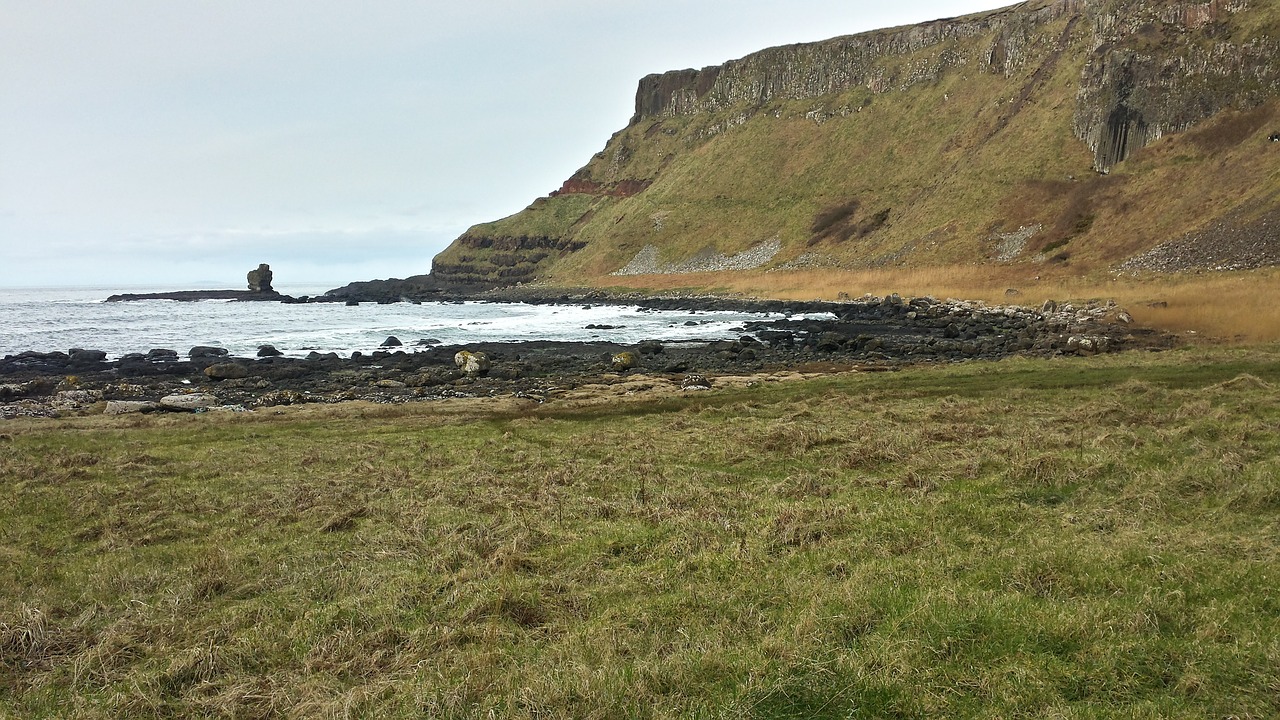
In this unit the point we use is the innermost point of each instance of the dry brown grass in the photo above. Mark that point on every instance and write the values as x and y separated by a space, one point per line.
1237 307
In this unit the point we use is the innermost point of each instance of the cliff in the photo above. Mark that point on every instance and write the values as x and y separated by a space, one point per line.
1078 134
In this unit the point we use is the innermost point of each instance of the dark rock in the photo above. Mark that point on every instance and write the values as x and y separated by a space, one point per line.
391 341
830 342
202 352
78 355
260 279
163 354
268 351
353 303
649 347
777 338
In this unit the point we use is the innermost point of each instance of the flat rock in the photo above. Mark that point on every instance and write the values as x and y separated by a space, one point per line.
188 401
124 407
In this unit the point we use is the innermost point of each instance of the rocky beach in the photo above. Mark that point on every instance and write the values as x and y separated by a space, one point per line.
868 334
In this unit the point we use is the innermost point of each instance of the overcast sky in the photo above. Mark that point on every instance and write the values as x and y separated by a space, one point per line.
182 142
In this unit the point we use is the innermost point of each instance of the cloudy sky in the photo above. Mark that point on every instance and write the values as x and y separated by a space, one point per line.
183 142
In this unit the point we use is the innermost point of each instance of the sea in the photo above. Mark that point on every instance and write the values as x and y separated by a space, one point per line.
52 319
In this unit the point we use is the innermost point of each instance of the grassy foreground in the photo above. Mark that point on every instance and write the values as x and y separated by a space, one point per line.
1061 538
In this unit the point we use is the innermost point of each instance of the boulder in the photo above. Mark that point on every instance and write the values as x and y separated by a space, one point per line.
260 279
623 361
188 401
226 371
162 354
1087 344
695 382
125 407
472 364
204 352
268 351
79 355
391 341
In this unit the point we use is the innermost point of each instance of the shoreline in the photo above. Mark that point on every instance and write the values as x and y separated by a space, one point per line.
869 333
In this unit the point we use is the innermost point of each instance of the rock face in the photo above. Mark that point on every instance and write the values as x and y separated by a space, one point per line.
260 279
1007 136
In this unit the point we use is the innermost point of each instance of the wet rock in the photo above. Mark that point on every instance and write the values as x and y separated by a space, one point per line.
649 347
78 355
777 338
162 355
206 352
268 351
391 341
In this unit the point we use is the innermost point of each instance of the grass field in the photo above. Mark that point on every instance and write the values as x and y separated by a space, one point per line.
1028 538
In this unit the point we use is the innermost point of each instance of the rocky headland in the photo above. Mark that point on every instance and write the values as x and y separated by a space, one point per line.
1106 135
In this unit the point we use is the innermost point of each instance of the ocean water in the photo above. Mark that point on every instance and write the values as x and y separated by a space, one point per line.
48 319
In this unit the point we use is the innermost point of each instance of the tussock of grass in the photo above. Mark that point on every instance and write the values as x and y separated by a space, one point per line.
1013 539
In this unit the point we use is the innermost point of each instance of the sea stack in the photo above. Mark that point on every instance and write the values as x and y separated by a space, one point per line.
260 279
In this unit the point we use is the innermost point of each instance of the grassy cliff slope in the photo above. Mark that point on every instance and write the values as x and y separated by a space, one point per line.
1066 137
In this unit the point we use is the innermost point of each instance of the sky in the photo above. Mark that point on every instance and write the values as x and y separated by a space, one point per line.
154 142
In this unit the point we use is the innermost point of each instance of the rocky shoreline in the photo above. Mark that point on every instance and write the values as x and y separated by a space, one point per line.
869 333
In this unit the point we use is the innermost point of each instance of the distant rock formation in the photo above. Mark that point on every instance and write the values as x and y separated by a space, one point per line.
260 279
259 289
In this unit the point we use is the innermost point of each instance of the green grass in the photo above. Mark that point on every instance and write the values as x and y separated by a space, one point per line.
1065 538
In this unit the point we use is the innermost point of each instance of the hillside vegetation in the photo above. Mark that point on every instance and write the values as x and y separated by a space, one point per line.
1029 538
1074 138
